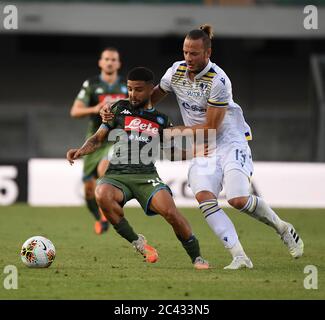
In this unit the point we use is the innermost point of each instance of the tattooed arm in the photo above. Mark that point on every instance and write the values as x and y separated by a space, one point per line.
90 146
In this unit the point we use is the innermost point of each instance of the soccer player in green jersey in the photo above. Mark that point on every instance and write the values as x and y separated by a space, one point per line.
105 88
137 125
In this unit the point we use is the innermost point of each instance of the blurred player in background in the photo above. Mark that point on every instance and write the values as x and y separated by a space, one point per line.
204 95
105 88
139 126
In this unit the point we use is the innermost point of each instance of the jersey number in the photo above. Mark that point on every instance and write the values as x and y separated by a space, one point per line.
241 156
155 182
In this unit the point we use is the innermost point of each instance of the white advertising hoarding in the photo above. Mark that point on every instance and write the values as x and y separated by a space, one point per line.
53 182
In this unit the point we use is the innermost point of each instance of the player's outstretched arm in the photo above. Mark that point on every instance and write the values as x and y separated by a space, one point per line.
79 109
90 146
214 118
176 154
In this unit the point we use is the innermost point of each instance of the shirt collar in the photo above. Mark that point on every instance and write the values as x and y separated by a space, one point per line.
108 84
204 71
152 109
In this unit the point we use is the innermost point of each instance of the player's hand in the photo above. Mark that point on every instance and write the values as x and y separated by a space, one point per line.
73 154
99 107
106 113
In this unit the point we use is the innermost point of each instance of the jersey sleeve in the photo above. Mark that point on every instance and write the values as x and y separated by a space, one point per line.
84 94
165 82
220 92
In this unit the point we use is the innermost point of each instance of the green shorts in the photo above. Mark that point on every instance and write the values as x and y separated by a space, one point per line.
91 161
141 187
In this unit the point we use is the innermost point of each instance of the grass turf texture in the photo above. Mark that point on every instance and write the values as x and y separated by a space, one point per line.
88 266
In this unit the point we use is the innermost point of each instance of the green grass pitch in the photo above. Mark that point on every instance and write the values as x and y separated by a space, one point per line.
88 266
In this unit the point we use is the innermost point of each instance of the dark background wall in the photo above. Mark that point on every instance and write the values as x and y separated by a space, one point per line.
40 75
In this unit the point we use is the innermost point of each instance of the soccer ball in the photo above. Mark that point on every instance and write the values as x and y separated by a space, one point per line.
37 252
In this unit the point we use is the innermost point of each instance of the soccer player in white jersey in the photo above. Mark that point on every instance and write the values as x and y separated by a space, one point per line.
204 95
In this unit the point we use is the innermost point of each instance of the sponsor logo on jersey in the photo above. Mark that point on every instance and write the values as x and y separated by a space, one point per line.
139 138
125 111
111 97
195 94
141 125
193 107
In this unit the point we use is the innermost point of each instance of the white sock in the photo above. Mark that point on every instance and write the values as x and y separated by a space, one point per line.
237 250
257 208
222 226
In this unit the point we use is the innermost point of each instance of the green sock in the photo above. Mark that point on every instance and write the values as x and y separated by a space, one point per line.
125 230
191 246
93 208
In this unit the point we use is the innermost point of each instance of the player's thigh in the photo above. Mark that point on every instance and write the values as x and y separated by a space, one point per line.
205 175
238 157
108 192
110 189
162 203
237 184
145 187
237 166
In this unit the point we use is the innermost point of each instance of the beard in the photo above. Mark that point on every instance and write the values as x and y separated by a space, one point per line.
109 71
140 104
198 69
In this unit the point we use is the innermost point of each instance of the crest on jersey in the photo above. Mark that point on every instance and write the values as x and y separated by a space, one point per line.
203 86
124 89
160 120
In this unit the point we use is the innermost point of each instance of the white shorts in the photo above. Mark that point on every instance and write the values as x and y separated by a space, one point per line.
230 167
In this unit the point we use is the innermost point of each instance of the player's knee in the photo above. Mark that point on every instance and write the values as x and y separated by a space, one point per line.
238 203
103 196
204 195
